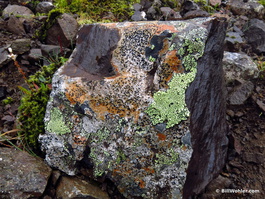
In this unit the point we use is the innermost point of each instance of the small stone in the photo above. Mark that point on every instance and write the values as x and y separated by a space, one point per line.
188 6
170 14
24 62
241 93
44 7
239 65
230 113
137 6
139 16
8 118
218 183
255 34
237 145
15 26
233 37
73 187
17 10
21 46
63 32
261 105
215 2
239 114
35 54
56 174
4 58
22 175
258 89
252 9
257 158
2 92
196 13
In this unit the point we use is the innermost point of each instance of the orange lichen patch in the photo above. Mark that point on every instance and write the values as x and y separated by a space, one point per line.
149 170
141 184
162 27
171 64
161 136
173 61
79 140
74 94
165 48
184 148
113 106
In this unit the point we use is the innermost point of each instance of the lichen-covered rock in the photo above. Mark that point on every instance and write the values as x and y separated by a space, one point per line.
119 103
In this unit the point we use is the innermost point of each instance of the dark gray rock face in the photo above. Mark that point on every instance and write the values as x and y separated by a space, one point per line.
255 35
206 101
22 175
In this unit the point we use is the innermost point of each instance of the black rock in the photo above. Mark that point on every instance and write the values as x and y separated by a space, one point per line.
208 123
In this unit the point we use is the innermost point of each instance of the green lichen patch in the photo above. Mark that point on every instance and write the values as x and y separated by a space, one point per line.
57 124
169 106
169 158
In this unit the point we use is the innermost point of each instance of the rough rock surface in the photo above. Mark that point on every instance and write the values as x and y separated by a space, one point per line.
119 103
22 175
72 187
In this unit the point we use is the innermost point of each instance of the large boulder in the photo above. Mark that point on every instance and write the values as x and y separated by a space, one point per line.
119 105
